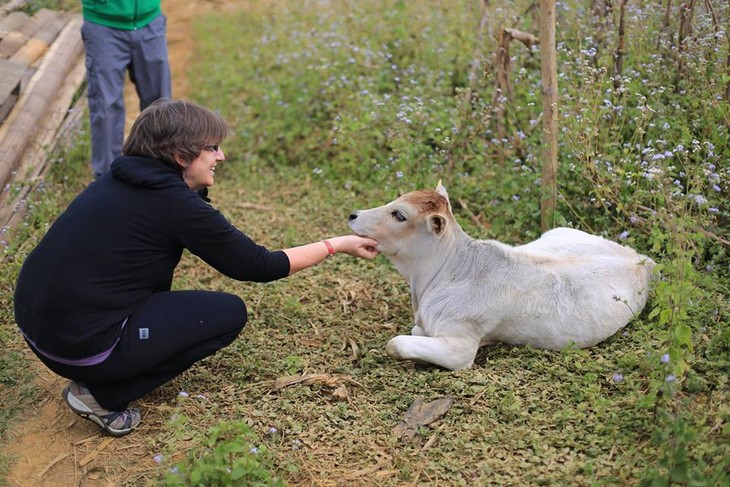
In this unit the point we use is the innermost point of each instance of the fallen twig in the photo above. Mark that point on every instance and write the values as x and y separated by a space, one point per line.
88 458
51 464
253 206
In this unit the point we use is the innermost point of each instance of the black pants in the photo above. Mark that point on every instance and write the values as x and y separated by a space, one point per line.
165 337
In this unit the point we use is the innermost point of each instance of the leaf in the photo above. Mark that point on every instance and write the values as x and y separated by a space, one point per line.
683 334
336 382
421 414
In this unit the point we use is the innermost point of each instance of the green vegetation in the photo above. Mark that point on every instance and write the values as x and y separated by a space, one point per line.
336 106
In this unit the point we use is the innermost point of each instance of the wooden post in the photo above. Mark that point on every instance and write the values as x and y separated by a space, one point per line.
549 189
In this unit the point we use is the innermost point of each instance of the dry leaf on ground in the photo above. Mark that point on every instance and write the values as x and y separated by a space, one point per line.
421 414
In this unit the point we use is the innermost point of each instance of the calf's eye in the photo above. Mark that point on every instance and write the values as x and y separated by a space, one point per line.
398 216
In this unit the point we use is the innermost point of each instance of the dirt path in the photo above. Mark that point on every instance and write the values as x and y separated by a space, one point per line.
50 446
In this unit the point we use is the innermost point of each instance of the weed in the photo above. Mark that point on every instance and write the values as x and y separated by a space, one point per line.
229 455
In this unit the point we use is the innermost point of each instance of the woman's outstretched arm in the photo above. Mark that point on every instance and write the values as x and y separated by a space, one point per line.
310 254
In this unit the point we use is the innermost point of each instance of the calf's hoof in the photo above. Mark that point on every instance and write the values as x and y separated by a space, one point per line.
393 349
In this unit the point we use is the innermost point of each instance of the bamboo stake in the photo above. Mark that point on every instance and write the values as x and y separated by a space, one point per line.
686 11
476 58
713 14
666 24
550 114
727 64
466 103
618 55
602 21
502 90
667 15
502 87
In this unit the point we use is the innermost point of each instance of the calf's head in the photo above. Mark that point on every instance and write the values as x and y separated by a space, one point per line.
411 223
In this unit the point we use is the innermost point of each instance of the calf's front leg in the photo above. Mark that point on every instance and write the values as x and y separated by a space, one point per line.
450 352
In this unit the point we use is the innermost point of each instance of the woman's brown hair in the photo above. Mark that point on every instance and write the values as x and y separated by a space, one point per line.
174 128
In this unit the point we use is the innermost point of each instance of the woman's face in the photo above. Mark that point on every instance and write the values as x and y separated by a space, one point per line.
200 173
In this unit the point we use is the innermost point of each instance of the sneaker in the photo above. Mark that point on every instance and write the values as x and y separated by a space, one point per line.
116 423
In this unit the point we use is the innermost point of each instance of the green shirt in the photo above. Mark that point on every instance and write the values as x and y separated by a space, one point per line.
121 14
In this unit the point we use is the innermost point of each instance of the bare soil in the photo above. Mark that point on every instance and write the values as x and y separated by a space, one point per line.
50 446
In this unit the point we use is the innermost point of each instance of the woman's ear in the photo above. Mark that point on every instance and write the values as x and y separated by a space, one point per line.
180 161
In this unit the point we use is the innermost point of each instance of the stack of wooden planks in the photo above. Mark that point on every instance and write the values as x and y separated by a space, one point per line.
41 73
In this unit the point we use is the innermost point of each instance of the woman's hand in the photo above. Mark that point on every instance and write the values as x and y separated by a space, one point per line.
362 247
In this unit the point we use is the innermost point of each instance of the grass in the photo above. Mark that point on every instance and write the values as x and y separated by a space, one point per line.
342 105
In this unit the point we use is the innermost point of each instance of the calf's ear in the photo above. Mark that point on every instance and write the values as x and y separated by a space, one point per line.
437 225
441 190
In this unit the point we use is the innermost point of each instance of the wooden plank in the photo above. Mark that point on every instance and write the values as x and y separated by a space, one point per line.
42 17
13 41
11 75
39 43
34 103
14 21
55 133
8 7
10 44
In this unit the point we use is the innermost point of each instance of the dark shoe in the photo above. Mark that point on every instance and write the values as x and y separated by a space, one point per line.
115 423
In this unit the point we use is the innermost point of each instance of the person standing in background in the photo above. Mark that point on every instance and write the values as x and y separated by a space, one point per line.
121 36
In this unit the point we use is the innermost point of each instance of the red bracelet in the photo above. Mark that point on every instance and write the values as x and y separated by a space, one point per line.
330 248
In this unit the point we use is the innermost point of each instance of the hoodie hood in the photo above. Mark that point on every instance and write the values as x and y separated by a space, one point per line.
146 172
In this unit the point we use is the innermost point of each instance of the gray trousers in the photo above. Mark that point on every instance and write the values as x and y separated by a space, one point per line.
110 53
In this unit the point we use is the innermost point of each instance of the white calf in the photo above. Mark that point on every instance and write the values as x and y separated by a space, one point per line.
565 288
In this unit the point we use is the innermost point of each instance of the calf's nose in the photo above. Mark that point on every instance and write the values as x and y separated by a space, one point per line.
353 215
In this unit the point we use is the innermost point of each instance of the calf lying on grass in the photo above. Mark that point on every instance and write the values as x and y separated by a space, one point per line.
565 288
